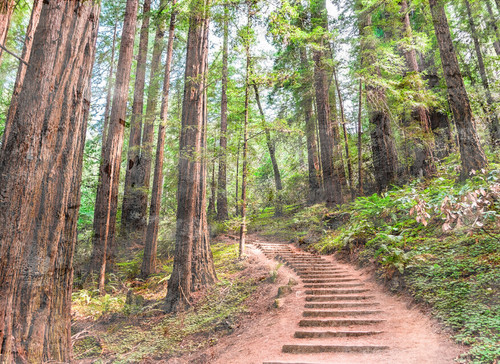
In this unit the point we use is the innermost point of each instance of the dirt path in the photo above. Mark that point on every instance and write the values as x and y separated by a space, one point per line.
335 314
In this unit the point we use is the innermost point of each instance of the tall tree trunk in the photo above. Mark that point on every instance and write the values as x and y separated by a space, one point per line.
237 187
21 71
222 212
383 148
131 220
6 10
193 265
109 172
360 136
346 139
272 153
150 249
471 152
494 125
338 158
493 25
213 193
37 207
244 173
331 181
424 160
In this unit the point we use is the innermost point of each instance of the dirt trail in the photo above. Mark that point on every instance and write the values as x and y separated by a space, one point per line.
335 314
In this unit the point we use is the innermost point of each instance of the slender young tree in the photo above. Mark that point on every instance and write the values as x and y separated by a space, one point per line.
494 125
272 153
360 136
109 172
471 152
149 261
131 219
331 181
193 262
222 212
6 11
244 173
38 209
21 71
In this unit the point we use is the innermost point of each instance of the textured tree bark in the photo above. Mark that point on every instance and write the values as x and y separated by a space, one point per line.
222 211
193 264
150 249
471 152
109 173
140 194
314 177
493 123
38 208
131 221
331 181
21 71
424 160
383 148
272 153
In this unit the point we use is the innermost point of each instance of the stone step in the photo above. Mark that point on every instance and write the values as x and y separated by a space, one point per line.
338 322
329 280
310 349
330 334
337 298
340 313
323 292
333 285
340 305
325 275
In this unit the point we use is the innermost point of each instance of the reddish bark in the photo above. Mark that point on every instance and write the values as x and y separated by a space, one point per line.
471 152
38 207
109 173
193 264
6 10
149 261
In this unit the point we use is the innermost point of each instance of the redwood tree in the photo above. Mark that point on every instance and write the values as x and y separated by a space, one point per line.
6 10
109 172
471 152
149 262
331 181
193 263
132 220
40 182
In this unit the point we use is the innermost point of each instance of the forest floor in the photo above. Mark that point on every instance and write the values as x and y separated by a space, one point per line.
259 324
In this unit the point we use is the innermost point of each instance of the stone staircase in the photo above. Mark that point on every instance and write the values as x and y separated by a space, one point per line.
339 316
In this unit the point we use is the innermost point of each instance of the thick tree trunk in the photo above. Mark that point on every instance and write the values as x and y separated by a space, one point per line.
149 261
193 265
471 152
21 71
331 181
6 10
424 160
131 221
313 164
222 211
38 209
383 148
109 173
494 125
360 138
272 153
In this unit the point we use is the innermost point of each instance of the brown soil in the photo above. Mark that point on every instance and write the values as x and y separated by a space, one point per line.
412 337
